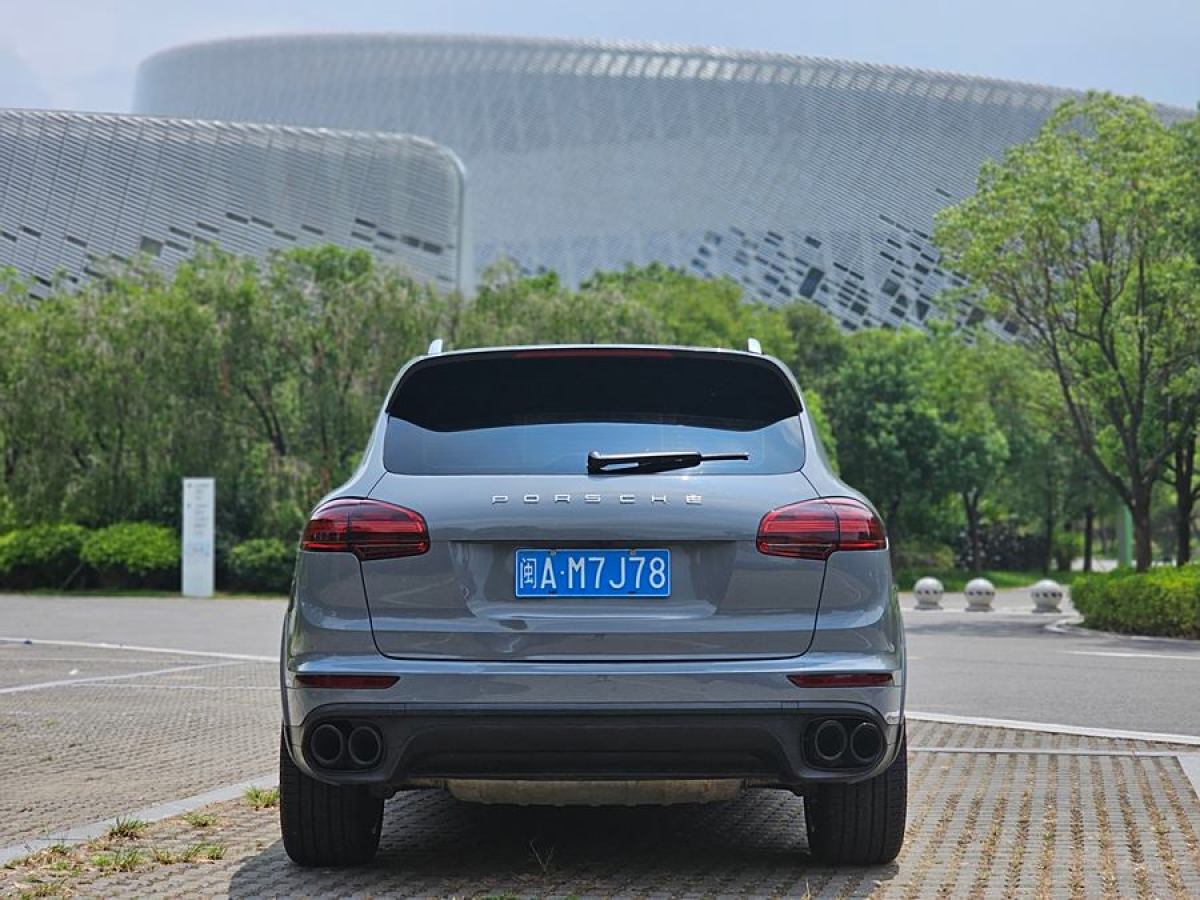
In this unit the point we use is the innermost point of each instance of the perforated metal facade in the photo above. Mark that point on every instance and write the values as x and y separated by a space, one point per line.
798 177
79 189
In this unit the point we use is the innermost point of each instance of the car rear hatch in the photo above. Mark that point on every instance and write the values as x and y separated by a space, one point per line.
491 448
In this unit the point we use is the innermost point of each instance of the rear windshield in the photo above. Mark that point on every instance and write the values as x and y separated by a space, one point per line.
542 412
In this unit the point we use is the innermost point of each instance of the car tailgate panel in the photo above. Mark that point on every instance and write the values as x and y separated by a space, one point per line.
727 600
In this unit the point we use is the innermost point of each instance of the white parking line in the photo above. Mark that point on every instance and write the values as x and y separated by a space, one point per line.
1190 740
69 682
222 688
1190 763
1051 751
134 648
1125 654
106 660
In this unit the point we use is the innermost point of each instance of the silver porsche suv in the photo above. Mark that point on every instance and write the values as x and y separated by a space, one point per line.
593 574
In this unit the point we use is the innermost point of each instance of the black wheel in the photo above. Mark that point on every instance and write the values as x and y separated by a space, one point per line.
863 823
324 824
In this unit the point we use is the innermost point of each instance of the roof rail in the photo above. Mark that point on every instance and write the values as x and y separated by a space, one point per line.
753 345
435 347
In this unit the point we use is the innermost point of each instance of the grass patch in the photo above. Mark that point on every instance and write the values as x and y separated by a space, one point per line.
126 828
41 889
262 798
200 819
126 846
119 860
213 852
956 579
45 856
196 852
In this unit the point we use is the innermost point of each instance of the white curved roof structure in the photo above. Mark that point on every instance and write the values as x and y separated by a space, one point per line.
798 177
78 189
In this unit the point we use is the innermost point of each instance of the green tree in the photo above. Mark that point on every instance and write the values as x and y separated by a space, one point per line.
97 392
817 344
971 449
1044 479
1183 475
697 312
824 428
510 309
306 345
1076 235
886 423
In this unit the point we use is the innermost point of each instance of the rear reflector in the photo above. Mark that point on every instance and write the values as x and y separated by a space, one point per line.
840 679
370 529
814 529
348 682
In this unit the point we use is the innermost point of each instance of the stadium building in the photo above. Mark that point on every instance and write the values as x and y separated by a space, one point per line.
799 178
802 179
78 190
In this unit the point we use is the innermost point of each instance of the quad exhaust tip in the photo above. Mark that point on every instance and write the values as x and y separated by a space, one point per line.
327 745
365 746
845 743
866 743
829 741
345 746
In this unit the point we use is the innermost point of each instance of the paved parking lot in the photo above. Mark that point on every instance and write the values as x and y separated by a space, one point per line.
87 734
995 813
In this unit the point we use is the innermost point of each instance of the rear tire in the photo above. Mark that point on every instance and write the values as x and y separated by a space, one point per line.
860 824
325 824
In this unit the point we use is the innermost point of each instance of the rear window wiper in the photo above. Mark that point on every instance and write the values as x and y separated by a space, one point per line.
663 461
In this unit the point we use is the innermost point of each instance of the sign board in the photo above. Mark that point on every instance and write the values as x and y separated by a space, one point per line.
199 525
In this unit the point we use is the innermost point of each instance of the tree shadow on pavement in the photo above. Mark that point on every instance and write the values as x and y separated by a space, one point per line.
435 845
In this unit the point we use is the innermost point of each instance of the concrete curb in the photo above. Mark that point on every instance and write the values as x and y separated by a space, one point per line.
1190 740
1073 627
82 833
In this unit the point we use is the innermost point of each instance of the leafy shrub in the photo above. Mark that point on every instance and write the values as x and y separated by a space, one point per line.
133 554
1067 545
1163 601
923 555
40 555
1003 545
262 564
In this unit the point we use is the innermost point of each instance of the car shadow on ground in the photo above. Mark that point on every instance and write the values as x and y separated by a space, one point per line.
435 845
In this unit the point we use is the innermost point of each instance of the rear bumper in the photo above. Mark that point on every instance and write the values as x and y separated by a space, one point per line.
761 744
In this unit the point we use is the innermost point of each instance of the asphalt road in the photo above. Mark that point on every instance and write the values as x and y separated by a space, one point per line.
1002 665
1009 666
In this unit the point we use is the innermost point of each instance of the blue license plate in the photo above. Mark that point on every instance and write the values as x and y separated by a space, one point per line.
593 573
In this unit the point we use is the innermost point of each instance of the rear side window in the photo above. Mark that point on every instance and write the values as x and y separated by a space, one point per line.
543 411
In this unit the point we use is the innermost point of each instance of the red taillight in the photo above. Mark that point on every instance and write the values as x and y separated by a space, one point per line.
813 529
348 682
369 529
842 679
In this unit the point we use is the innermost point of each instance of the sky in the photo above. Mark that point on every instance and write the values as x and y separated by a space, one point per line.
83 54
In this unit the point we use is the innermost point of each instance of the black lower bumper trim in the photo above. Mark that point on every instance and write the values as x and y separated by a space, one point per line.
766 746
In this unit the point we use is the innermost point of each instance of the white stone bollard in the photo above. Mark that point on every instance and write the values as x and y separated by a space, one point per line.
1047 596
980 594
929 593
